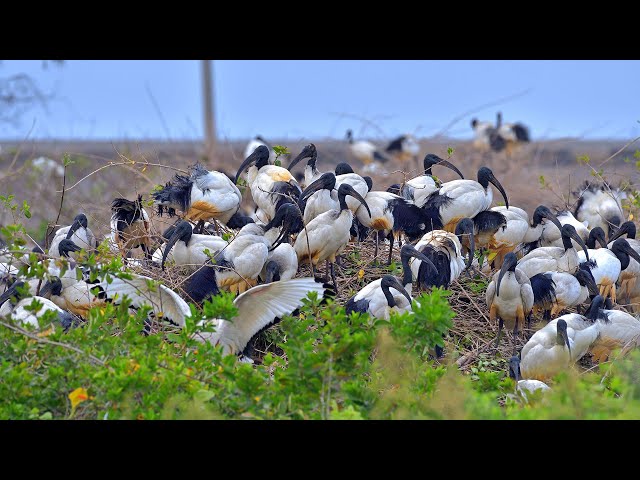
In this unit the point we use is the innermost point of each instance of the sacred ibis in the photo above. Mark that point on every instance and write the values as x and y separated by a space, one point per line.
323 198
311 173
444 251
618 330
254 143
555 259
551 236
600 206
462 199
188 248
130 226
512 303
513 134
418 189
524 386
377 299
27 309
481 130
403 148
271 186
326 235
362 185
78 232
365 151
202 196
555 291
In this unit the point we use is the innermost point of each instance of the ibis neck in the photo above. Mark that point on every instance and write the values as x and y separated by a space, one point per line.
387 294
406 273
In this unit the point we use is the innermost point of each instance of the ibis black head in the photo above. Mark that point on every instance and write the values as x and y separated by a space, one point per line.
52 287
389 281
474 122
508 265
498 120
346 189
65 247
343 168
596 234
326 181
514 368
431 159
369 182
349 137
543 212
309 151
465 227
624 252
166 235
289 218
485 176
562 337
585 278
395 189
568 232
259 157
15 293
37 249
79 221
406 252
273 272
182 231
595 309
628 228
260 139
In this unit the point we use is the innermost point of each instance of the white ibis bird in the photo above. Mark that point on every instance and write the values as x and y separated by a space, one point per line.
509 297
282 261
418 189
27 309
555 259
524 386
326 235
202 196
600 206
188 248
403 148
377 299
481 130
78 232
618 330
551 236
271 186
462 199
362 185
365 151
513 134
254 143
391 215
323 198
619 264
555 291
559 344
628 228
311 173
130 226
444 251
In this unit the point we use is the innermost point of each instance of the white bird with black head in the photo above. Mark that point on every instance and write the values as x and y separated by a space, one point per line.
418 189
130 226
78 232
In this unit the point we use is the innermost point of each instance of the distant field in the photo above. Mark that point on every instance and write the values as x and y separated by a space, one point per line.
555 160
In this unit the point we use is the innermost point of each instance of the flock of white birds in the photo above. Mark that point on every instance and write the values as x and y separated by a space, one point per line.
543 264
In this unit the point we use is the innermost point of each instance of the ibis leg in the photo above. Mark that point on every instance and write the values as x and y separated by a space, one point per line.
391 238
333 278
147 253
326 263
375 255
500 325
546 316
515 338
199 227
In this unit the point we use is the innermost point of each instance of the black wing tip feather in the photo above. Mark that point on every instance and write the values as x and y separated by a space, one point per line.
544 289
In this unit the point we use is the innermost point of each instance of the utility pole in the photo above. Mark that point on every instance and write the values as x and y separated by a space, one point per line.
209 117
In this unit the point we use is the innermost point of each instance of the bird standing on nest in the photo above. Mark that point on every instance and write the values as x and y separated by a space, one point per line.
130 226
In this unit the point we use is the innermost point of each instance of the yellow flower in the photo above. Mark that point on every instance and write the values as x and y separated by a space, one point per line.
360 274
78 396
631 216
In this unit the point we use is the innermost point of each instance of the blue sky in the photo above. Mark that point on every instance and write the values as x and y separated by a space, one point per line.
293 99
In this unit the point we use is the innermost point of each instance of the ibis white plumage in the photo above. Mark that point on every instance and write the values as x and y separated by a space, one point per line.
600 206
78 232
418 189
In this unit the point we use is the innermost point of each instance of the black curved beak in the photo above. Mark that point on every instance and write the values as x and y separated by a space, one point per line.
446 163
67 246
395 283
325 181
284 233
574 235
47 289
565 337
251 159
552 218
617 234
410 250
356 195
305 153
510 261
628 249
169 245
590 283
74 226
465 227
497 184
272 271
